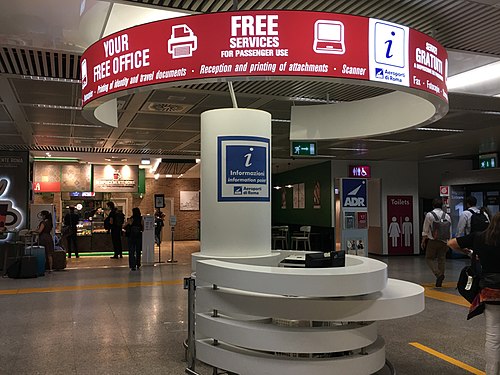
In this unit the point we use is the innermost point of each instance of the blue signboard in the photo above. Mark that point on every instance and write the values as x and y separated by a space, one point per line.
243 169
354 192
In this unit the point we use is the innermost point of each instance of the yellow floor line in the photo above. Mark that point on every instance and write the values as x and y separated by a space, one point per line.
89 287
438 294
448 359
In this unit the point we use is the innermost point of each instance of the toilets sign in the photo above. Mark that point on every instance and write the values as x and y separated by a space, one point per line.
243 169
354 192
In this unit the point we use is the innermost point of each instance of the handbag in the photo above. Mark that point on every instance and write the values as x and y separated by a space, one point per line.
468 281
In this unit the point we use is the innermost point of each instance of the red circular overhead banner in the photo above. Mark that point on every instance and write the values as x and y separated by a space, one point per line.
265 44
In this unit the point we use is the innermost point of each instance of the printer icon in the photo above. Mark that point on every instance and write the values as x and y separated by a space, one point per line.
182 42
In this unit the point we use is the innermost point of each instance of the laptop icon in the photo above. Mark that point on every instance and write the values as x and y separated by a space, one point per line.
329 37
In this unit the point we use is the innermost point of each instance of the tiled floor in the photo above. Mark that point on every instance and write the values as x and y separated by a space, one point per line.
90 319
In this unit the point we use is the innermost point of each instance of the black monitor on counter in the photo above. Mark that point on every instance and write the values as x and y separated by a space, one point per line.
324 260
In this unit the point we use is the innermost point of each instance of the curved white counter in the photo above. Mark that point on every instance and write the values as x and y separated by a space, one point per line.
254 319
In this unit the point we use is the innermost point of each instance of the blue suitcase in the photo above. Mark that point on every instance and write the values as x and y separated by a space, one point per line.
39 253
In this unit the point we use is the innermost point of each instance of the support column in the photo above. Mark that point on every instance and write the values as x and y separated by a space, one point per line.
235 182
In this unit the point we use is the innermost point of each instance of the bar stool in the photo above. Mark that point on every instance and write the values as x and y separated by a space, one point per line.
304 237
281 236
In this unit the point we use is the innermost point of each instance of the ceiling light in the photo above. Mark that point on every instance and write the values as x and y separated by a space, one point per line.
51 106
180 175
48 154
289 186
169 176
277 187
310 100
157 176
145 161
441 130
280 120
474 76
47 79
65 124
198 161
386 140
438 155
155 166
56 159
347 149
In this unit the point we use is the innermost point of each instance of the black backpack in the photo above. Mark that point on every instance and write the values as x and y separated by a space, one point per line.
478 221
119 218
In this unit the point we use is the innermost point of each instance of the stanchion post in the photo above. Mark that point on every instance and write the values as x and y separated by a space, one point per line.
190 285
172 260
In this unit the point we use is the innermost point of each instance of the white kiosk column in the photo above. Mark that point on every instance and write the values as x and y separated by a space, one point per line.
235 183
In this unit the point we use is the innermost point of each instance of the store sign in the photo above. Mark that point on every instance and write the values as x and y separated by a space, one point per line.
116 178
263 43
46 187
354 192
303 148
243 169
362 171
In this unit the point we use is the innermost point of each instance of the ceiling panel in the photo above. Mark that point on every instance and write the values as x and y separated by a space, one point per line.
52 141
8 128
47 115
82 131
10 139
4 115
45 92
177 135
187 123
50 130
176 96
158 121
141 135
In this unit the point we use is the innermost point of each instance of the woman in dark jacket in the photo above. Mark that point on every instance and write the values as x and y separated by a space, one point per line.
486 245
133 229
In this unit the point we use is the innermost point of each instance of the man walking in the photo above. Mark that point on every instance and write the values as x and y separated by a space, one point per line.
466 223
435 233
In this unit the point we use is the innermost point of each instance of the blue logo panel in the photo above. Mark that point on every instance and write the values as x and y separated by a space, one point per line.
354 192
246 164
243 169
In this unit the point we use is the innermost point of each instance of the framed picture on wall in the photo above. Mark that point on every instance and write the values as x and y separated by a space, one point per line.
159 201
189 200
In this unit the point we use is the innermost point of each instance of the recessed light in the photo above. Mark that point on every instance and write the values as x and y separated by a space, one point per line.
441 130
438 155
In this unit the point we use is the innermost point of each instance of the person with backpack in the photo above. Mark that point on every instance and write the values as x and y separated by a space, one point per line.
114 223
436 232
486 245
472 219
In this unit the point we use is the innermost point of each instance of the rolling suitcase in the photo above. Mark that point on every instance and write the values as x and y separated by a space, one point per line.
59 260
36 251
29 267
23 268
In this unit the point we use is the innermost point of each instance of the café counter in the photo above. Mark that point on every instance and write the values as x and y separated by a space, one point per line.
92 237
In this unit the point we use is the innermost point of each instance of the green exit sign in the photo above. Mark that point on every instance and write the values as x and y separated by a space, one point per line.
488 161
301 148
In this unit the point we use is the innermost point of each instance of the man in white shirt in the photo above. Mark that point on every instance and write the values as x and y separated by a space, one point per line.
464 222
435 248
